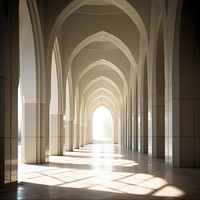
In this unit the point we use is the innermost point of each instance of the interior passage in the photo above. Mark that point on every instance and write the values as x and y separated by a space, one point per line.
104 171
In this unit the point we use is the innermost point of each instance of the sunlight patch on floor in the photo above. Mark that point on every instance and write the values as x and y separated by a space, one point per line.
101 172
169 191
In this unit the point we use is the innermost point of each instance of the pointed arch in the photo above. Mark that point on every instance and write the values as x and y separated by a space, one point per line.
54 87
27 56
69 97
76 4
58 61
93 99
102 62
39 50
102 78
54 128
32 68
105 36
105 93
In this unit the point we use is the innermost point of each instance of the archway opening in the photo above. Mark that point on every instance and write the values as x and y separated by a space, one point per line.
54 117
68 143
102 126
28 88
19 122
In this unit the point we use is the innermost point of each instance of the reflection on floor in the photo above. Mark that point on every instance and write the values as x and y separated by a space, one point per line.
104 172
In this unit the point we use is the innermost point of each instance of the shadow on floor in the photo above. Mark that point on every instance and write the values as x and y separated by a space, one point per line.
26 190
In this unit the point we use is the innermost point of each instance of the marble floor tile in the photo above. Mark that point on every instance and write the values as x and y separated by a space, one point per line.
104 171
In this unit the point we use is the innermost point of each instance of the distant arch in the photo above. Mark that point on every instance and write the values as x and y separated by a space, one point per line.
102 62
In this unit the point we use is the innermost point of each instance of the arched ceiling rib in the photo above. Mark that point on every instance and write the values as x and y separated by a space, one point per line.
109 75
101 63
99 9
105 36
115 59
76 4
100 52
102 82
107 72
101 98
94 97
103 92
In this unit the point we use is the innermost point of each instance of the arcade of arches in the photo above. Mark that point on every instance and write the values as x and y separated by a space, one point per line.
139 59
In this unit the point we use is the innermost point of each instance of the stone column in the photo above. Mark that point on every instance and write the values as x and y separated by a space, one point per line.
143 113
76 136
182 143
90 131
81 135
135 119
9 78
124 126
29 133
116 130
143 129
56 134
121 130
129 138
85 134
156 128
68 136
35 138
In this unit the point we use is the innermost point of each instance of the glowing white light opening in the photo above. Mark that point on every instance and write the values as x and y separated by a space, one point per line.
102 126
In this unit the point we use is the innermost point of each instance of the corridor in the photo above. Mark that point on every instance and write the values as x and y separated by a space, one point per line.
104 171
61 61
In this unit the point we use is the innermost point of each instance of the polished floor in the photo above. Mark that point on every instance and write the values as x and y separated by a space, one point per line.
104 171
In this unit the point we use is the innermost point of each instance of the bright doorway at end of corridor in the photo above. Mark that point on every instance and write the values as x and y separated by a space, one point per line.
102 126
